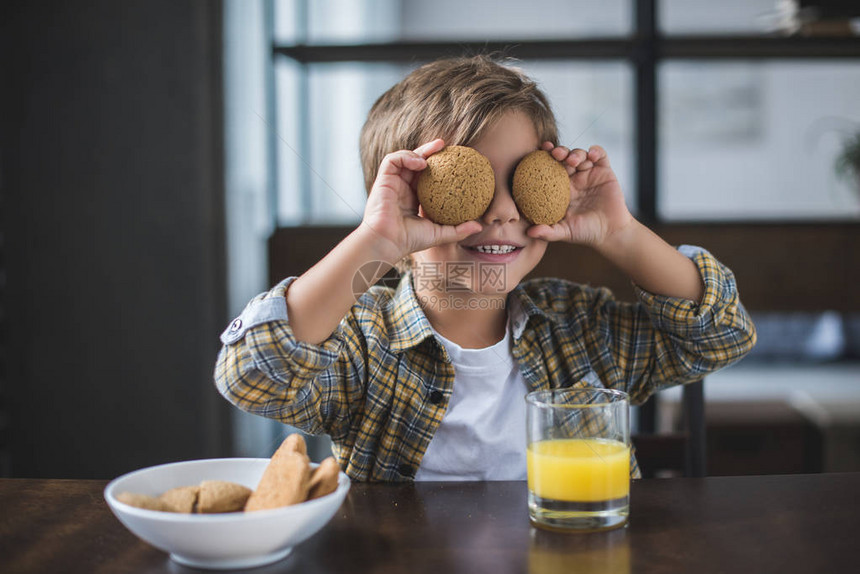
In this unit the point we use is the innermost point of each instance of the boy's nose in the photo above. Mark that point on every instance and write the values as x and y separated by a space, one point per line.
502 209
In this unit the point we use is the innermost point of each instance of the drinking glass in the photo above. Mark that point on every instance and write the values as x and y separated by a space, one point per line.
578 458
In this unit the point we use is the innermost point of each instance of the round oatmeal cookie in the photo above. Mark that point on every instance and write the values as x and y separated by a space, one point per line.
457 185
541 188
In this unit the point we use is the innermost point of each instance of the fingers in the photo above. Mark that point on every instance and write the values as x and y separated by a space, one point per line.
595 156
395 162
560 153
429 148
577 159
598 156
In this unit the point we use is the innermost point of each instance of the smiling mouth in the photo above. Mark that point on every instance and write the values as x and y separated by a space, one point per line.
494 249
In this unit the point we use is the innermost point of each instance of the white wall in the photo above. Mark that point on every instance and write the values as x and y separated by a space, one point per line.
248 218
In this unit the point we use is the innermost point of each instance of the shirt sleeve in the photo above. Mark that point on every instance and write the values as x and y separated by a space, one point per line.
263 369
665 341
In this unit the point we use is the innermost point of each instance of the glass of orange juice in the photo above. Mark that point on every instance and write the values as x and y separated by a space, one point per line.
578 458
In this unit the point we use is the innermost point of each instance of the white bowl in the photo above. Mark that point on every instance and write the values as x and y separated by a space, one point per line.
219 541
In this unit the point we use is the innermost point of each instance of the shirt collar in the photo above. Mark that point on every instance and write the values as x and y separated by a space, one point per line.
410 326
521 307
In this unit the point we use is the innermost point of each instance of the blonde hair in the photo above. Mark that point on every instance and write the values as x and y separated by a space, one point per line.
456 99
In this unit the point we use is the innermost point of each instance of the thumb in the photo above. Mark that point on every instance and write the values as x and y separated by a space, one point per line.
466 229
452 234
556 232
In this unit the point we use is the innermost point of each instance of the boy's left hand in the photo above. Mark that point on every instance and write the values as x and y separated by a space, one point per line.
597 207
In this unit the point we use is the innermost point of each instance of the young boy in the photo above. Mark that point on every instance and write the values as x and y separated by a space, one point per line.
426 381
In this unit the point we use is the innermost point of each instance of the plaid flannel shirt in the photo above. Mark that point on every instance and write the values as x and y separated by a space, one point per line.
380 385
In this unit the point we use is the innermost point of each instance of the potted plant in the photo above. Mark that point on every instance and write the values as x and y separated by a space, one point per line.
848 160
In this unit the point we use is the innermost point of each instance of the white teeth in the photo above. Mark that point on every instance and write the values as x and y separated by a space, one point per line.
494 248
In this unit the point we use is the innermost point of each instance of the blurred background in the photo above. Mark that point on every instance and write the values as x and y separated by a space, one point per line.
163 161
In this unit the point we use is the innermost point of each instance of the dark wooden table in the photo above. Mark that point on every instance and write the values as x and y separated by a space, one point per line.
789 523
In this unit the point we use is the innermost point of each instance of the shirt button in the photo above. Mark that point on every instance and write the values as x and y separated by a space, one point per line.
436 397
236 325
405 469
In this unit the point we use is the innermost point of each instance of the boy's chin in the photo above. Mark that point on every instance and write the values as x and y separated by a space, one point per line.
495 289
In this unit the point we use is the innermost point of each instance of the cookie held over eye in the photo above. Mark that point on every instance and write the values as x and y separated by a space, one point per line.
541 188
456 186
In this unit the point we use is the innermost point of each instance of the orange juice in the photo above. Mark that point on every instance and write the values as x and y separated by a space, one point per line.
578 470
607 554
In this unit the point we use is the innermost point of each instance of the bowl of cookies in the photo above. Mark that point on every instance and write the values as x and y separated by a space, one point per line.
230 513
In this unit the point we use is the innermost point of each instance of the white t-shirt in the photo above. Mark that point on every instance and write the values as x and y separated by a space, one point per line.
482 435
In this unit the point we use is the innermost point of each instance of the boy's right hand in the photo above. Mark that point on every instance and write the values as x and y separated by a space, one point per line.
392 213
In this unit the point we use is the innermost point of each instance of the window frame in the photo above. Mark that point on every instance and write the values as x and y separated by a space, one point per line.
644 50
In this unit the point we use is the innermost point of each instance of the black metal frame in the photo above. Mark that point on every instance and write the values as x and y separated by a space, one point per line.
640 47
